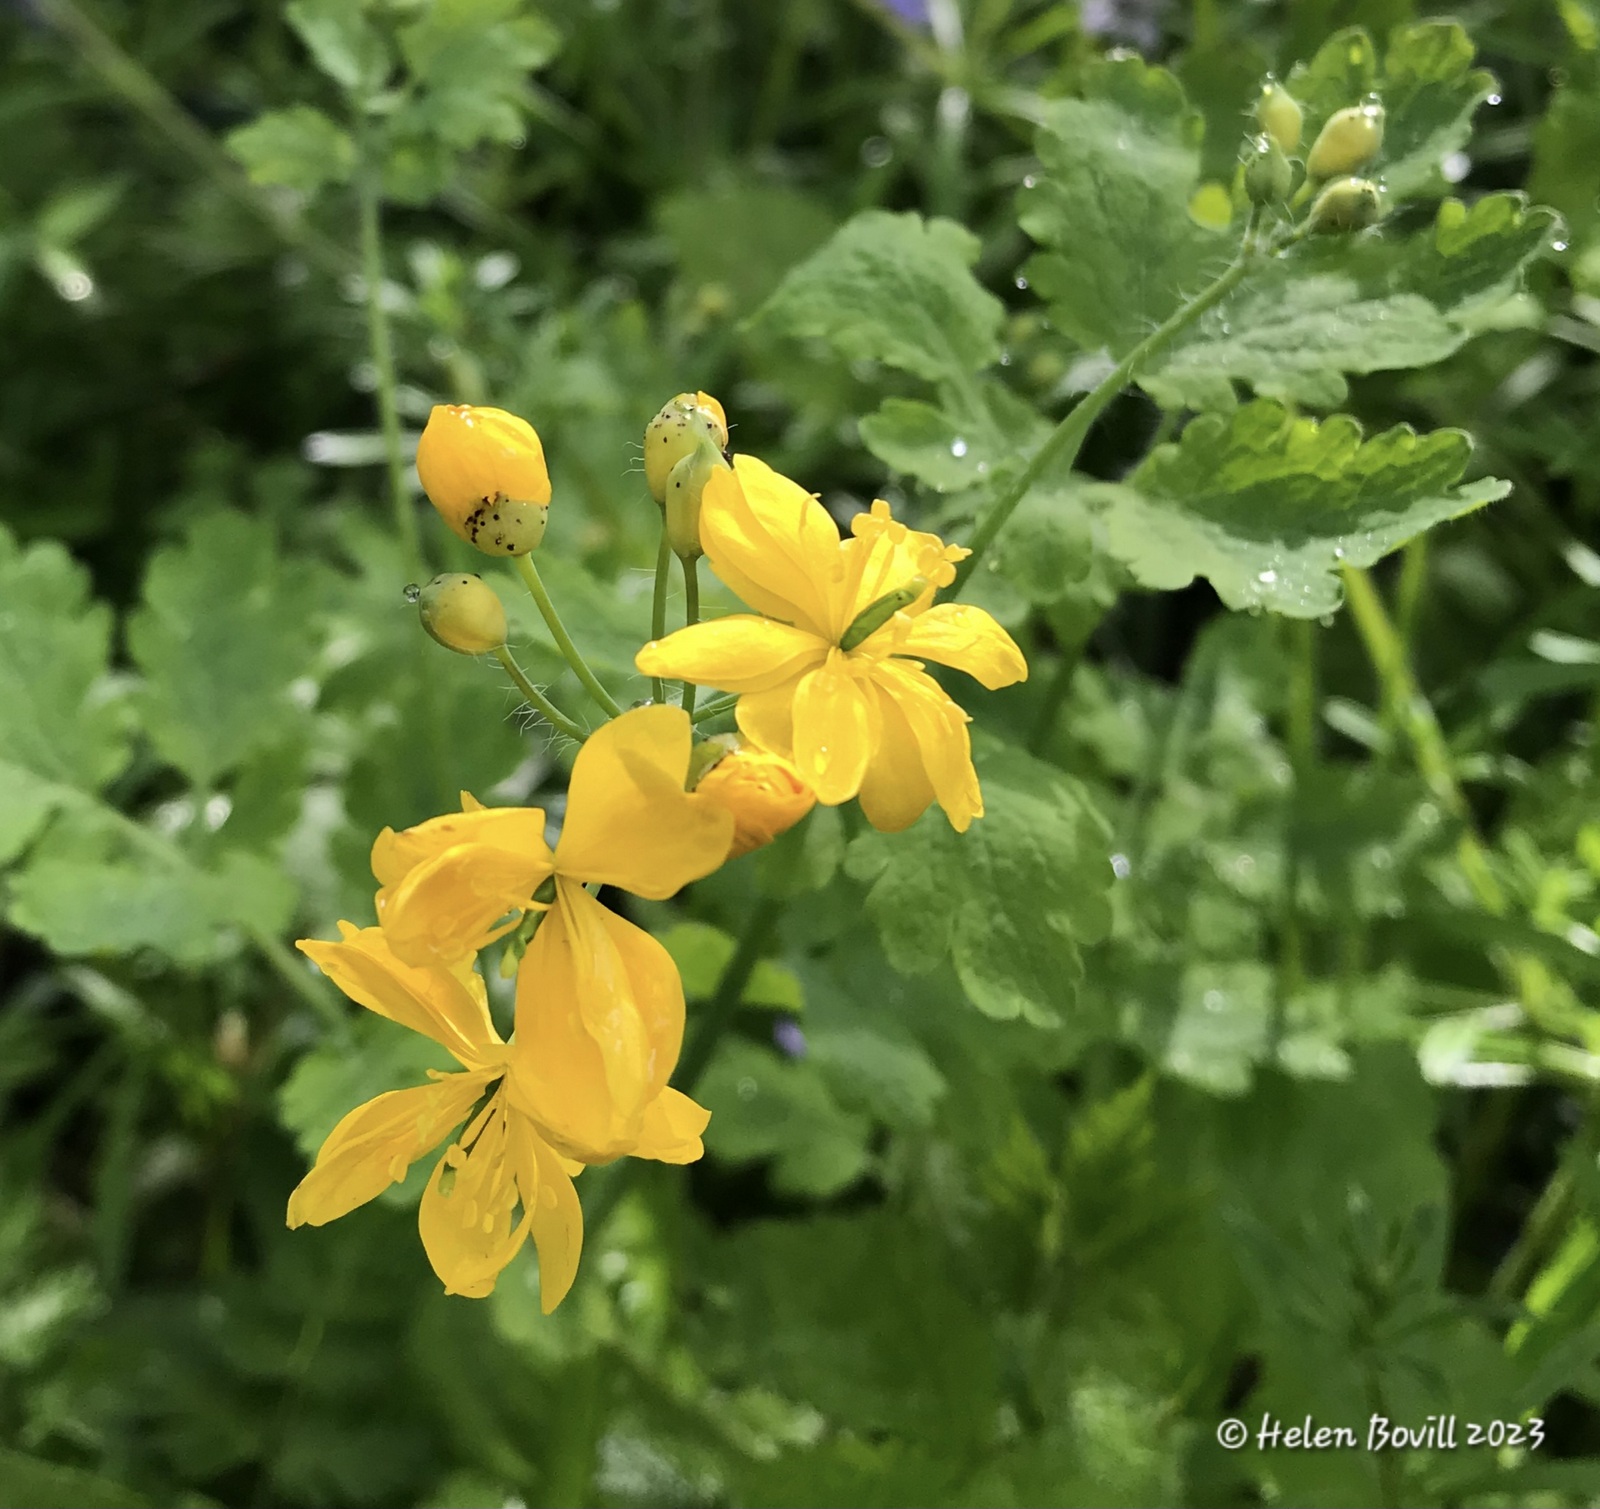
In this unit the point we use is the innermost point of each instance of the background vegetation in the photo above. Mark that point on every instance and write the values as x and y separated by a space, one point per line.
1261 1074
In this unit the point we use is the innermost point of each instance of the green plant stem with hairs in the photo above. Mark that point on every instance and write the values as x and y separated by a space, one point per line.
537 699
558 632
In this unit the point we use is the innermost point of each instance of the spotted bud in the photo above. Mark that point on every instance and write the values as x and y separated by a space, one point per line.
1346 204
686 485
483 469
678 431
463 613
877 613
1279 115
764 792
1268 175
1349 141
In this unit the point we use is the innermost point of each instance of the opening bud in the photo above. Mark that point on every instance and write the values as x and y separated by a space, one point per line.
483 469
1268 175
1349 141
876 614
684 423
764 792
1279 115
462 612
686 485
1347 204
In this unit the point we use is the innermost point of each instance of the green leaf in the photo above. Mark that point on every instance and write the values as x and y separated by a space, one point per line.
473 58
702 952
1268 507
1428 86
29 1482
895 289
893 1082
335 1077
65 719
740 236
1009 901
226 629
81 905
341 41
1047 545
1334 306
763 1106
298 148
1118 166
26 801
979 430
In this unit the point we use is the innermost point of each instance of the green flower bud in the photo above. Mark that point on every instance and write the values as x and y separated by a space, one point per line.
1279 115
686 485
1347 204
463 613
1268 176
1349 141
677 431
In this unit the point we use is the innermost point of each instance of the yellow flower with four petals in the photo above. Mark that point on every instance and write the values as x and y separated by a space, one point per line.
830 676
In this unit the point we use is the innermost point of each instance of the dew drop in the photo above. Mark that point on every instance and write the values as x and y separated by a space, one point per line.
1020 281
1029 181
1494 99
1266 578
1213 1000
413 592
1558 246
958 447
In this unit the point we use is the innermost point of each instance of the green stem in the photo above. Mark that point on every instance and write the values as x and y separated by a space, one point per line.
1302 739
537 699
1061 449
1050 707
1413 580
558 632
1415 718
405 517
658 606
715 706
691 616
126 77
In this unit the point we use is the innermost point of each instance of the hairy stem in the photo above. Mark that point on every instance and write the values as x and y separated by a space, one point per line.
1066 440
691 616
658 606
558 632
537 699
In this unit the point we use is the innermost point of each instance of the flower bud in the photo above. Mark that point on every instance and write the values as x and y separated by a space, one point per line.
1347 204
1278 114
1268 177
763 791
1349 141
686 485
676 432
484 470
463 613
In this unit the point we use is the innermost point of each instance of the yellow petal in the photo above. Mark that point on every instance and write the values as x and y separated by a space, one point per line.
940 729
762 791
629 821
599 1024
967 638
554 1214
376 1143
517 830
833 731
772 543
672 1127
738 654
766 719
468 1214
896 791
450 1006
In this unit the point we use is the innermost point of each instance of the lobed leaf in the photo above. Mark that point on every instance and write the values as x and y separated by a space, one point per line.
297 148
1268 507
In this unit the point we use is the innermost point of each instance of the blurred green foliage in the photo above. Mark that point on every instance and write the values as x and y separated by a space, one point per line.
1240 1061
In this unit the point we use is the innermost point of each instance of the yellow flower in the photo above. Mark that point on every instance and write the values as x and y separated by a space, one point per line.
599 1002
483 469
497 1160
500 1158
762 790
831 676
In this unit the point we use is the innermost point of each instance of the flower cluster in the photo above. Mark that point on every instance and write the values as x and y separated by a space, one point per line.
832 701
